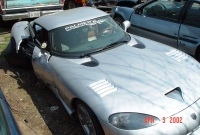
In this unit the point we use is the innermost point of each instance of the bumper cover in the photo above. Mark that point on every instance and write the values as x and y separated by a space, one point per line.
28 14
189 125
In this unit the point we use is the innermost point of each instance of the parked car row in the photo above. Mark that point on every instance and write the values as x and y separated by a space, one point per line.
18 9
113 81
175 23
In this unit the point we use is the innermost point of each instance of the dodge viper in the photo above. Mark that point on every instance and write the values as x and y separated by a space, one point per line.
114 82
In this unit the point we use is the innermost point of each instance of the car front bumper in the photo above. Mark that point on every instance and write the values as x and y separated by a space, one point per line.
190 124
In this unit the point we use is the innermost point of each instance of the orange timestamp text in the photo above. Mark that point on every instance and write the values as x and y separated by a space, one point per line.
150 119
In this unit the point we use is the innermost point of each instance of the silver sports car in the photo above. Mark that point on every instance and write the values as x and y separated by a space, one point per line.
115 82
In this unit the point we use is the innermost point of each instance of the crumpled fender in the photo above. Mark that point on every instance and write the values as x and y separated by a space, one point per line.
18 33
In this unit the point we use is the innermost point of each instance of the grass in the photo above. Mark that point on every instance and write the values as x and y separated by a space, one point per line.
4 40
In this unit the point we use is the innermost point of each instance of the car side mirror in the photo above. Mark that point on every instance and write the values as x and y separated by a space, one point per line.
126 25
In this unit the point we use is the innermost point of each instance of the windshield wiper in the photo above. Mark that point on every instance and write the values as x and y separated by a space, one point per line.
104 48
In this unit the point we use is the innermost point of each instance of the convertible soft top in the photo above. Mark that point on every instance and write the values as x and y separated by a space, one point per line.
67 17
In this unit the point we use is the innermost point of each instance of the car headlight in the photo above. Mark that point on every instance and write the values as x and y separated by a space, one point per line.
132 121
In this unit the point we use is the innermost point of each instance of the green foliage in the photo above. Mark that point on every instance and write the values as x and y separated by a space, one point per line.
4 40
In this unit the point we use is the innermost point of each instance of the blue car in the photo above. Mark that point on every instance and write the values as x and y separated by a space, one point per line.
175 23
8 125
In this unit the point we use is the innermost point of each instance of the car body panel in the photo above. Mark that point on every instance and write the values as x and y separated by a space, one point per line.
155 29
18 33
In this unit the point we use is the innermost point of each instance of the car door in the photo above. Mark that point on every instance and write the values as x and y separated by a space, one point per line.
158 21
189 35
41 56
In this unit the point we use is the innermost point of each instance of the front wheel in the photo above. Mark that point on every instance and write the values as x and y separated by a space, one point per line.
88 120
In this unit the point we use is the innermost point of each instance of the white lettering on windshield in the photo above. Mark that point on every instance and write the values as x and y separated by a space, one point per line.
91 22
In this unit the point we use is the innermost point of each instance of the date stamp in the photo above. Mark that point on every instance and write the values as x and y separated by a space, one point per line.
171 119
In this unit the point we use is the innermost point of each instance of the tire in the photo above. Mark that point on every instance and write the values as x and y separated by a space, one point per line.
119 21
14 59
88 120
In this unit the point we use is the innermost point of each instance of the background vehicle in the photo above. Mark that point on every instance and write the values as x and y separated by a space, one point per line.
175 23
104 5
20 9
8 126
112 80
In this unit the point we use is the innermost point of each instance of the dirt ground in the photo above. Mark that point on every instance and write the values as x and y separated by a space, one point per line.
35 108
33 104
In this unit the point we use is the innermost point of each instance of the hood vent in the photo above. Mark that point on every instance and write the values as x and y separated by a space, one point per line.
103 88
177 55
90 64
176 94
139 46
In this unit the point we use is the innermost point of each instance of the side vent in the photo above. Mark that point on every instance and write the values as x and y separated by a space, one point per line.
103 87
175 94
177 55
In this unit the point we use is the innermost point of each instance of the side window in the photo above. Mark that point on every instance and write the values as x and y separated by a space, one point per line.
41 34
192 17
166 10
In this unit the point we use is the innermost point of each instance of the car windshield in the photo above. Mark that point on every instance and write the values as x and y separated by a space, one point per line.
86 37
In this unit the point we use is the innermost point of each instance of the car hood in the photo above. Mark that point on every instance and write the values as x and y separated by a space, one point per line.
140 79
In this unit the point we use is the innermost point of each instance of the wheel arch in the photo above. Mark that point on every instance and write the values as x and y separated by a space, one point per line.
76 100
